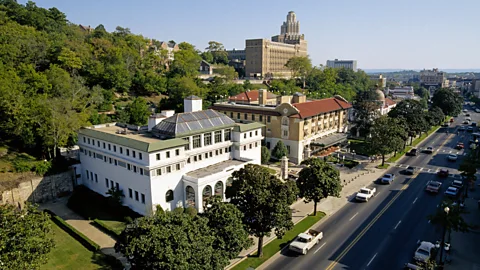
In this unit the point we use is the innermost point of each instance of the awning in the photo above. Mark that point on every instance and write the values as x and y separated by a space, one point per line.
335 138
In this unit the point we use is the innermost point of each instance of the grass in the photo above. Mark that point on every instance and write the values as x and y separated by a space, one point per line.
399 154
276 245
70 254
117 226
258 86
384 166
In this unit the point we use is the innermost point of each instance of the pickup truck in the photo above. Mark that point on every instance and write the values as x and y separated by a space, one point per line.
305 241
365 194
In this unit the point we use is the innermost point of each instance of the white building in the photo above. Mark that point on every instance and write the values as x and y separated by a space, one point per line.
348 64
402 92
181 159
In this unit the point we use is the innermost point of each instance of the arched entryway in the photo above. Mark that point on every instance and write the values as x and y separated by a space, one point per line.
219 189
190 196
207 193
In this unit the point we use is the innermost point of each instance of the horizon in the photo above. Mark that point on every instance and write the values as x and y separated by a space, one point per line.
361 31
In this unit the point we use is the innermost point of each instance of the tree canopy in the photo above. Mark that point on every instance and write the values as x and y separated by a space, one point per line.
387 135
280 150
414 115
450 102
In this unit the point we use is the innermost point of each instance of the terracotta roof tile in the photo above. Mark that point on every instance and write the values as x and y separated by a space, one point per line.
250 96
389 102
315 107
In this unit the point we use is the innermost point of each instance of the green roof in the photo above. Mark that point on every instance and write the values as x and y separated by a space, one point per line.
132 142
248 126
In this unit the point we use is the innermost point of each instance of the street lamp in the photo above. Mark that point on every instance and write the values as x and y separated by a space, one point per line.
446 210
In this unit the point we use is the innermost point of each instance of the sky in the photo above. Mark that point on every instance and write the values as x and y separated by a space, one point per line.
407 34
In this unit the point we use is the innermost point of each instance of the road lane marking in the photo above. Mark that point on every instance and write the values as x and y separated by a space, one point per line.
371 260
397 224
369 225
353 216
450 152
414 201
319 248
429 221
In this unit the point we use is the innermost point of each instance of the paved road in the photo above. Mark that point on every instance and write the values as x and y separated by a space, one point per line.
382 233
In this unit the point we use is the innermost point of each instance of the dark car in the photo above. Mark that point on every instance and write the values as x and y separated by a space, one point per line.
413 152
443 173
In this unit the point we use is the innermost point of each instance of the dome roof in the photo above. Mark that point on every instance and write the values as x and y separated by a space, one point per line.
380 94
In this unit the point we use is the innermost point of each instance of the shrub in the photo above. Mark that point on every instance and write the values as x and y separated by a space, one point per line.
191 211
80 237
22 166
42 167
265 155
104 227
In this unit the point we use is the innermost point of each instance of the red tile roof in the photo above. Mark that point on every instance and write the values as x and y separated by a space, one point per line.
250 96
389 102
316 107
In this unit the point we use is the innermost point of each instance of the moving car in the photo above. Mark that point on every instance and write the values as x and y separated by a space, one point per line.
443 173
452 157
365 194
412 152
433 186
387 178
467 114
428 150
457 184
460 145
410 170
423 252
305 241
451 192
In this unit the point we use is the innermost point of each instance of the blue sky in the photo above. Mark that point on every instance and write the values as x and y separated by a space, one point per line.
404 34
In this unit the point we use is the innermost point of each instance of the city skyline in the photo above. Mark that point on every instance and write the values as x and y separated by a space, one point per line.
378 35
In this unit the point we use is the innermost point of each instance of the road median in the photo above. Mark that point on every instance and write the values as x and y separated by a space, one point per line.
415 142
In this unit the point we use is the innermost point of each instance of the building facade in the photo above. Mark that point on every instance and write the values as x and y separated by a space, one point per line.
348 64
267 58
300 123
433 78
180 160
401 92
237 55
379 79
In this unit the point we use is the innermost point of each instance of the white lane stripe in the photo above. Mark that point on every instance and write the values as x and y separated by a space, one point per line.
397 224
353 217
372 259
429 221
414 201
450 152
319 248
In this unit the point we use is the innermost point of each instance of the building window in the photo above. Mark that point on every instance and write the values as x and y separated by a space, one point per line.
134 168
195 158
218 136
256 144
136 195
93 142
159 171
251 134
256 132
83 139
253 117
245 148
231 116
141 171
268 119
98 143
117 186
169 169
187 146
115 161
178 167
260 118
169 196
121 150
158 156
238 117
196 141
114 148
288 149
91 176
221 151
207 139
128 152
188 160
106 182
89 153
140 156
87 175
105 158
96 178
133 153
111 184
206 155
103 145
143 198
216 152
246 116
227 135
177 152
244 135
88 140
285 133
250 146
109 147
130 193
211 154
199 157
168 154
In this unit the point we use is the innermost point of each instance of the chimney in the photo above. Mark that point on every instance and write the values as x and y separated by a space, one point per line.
192 104
299 98
262 97
154 119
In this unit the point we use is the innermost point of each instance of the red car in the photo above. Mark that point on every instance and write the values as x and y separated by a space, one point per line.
443 173
451 120
460 146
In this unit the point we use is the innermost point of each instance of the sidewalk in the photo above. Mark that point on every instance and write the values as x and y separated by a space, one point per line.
106 243
465 246
354 180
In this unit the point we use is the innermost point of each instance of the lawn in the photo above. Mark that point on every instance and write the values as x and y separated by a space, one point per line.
116 226
276 245
70 254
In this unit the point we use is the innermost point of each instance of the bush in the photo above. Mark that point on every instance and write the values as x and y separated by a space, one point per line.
80 237
22 166
104 227
42 167
265 155
191 211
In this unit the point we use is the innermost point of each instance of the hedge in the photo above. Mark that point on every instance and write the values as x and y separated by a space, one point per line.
80 237
104 227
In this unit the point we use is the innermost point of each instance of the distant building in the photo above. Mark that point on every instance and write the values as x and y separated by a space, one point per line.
267 58
433 78
86 28
237 54
401 92
206 68
171 49
379 80
348 64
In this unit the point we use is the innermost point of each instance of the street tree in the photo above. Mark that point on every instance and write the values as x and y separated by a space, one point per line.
264 200
225 220
317 181
468 169
414 115
366 108
170 240
447 100
299 66
25 237
280 150
386 136
435 116
451 221
265 155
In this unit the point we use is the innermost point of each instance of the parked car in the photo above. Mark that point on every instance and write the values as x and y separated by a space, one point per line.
457 184
433 186
446 124
474 124
412 152
305 241
467 114
451 192
410 170
423 252
465 122
387 178
428 150
469 129
365 194
443 173
461 128
452 157
460 146
451 120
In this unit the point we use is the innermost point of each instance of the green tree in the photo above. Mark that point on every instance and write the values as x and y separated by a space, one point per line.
171 240
264 200
299 66
280 150
414 115
366 107
226 222
226 72
317 181
435 116
116 196
453 221
247 85
138 111
450 102
386 136
25 237
186 62
320 81
218 52
265 155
